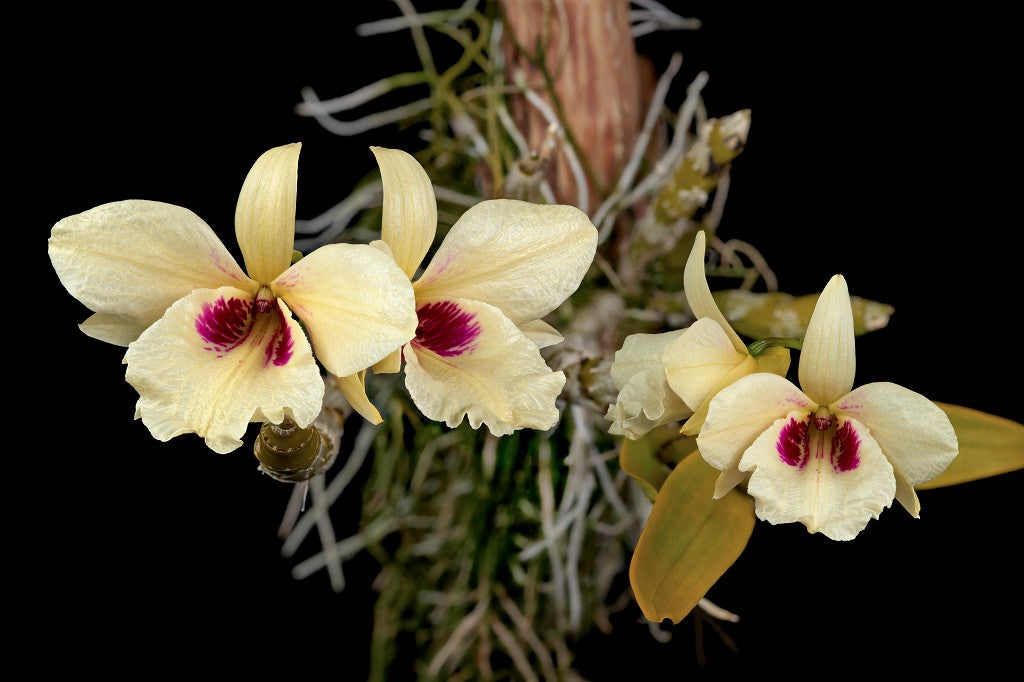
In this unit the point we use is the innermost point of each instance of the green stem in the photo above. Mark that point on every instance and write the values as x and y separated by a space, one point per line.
759 347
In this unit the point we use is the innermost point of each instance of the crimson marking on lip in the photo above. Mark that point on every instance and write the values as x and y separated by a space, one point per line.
446 329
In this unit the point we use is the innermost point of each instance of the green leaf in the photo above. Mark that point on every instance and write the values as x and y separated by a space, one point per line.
989 446
650 459
689 541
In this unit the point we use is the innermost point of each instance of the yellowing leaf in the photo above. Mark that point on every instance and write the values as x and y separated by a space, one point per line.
650 459
761 315
989 446
690 540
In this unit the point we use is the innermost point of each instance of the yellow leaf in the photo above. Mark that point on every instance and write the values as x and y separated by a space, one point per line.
650 459
989 446
689 541
761 315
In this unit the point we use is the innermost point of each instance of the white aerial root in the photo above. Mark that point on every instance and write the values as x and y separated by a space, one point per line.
327 539
629 172
394 24
457 642
360 449
554 126
664 165
716 611
653 16
369 122
332 222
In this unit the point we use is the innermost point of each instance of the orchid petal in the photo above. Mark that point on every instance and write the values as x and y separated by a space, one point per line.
409 220
698 293
774 360
727 480
353 387
541 333
742 411
644 399
913 432
265 214
524 259
906 495
210 366
391 364
693 425
698 360
128 261
469 360
828 360
644 403
354 301
832 481
640 353
114 329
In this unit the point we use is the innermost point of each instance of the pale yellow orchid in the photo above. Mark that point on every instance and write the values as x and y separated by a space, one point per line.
827 456
502 266
670 376
211 348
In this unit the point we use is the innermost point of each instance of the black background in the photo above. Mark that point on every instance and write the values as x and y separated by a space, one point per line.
877 150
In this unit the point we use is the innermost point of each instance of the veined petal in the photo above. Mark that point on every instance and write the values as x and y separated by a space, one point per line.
698 293
913 432
742 411
643 403
391 364
524 259
906 495
774 360
693 425
114 329
265 214
698 360
409 220
211 365
128 261
469 360
828 358
354 389
727 480
541 333
832 481
644 399
640 353
354 301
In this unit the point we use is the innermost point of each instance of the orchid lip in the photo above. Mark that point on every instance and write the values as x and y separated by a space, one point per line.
227 323
801 441
446 329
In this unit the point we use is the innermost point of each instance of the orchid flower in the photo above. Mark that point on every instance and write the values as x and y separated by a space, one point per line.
502 266
827 456
212 348
665 377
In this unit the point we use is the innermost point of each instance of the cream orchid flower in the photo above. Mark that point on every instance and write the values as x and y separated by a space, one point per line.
211 348
665 377
827 456
502 266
